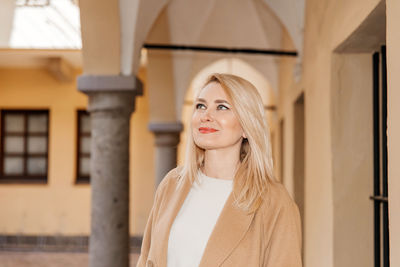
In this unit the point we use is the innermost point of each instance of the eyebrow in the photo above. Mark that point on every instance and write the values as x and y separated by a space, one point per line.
218 101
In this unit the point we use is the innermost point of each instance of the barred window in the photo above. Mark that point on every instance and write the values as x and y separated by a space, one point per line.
83 147
24 145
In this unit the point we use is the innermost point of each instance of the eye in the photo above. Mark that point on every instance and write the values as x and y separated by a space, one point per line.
200 106
222 107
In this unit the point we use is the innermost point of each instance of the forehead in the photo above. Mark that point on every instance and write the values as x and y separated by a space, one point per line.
213 91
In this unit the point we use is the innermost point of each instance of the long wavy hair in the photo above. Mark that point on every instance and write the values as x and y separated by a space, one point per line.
255 171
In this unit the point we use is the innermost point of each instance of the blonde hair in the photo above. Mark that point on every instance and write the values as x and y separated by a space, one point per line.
255 171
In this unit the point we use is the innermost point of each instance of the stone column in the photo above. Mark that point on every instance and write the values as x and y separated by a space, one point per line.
111 102
167 140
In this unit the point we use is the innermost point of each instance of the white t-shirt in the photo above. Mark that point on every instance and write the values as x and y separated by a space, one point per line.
196 220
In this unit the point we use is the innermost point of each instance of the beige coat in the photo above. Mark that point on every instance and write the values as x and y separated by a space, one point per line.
270 237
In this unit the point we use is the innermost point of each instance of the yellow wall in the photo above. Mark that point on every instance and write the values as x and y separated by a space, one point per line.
62 207
393 53
327 24
352 159
142 155
100 37
286 160
289 91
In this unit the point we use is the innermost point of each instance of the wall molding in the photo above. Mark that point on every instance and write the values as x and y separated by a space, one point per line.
54 243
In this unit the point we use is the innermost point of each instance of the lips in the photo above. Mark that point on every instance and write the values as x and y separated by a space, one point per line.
206 130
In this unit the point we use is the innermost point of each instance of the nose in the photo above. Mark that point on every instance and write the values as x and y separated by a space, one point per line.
206 116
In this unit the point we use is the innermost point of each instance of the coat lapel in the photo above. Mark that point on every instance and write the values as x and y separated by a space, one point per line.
229 230
168 216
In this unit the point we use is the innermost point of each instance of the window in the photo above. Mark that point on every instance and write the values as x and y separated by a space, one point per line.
24 145
32 3
83 147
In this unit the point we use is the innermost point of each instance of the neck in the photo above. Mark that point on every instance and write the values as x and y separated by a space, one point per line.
221 163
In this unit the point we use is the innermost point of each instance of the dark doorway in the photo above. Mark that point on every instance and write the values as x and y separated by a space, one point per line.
299 156
380 196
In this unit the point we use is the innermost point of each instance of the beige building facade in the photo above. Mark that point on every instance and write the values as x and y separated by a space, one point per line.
320 107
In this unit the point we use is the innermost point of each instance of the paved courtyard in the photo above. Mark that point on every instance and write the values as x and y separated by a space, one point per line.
48 259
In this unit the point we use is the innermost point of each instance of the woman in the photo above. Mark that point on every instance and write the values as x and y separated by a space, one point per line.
223 207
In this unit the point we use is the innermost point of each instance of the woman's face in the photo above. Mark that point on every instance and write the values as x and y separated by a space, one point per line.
214 124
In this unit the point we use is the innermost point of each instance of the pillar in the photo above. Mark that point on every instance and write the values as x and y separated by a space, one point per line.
111 102
166 143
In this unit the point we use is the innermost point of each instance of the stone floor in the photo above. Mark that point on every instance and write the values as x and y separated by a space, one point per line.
48 259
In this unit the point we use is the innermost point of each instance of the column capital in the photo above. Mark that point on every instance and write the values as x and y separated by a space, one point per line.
109 83
166 133
166 127
114 94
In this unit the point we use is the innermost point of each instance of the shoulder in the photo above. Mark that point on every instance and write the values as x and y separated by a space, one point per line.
277 201
281 226
169 181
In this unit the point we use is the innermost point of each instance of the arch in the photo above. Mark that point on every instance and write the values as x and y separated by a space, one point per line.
212 20
238 67
289 13
137 19
187 68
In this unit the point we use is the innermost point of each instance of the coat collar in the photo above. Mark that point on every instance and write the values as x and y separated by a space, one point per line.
229 230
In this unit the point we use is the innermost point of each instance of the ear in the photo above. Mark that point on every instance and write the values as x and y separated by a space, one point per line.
244 136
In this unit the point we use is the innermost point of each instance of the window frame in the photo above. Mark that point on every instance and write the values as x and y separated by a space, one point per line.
24 178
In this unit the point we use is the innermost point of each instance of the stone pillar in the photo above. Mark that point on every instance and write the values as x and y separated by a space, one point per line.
111 102
167 140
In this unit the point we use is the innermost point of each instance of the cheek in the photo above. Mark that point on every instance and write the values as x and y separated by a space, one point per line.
195 124
232 124
195 119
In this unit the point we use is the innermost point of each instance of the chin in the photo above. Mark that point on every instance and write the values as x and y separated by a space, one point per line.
211 145
207 145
